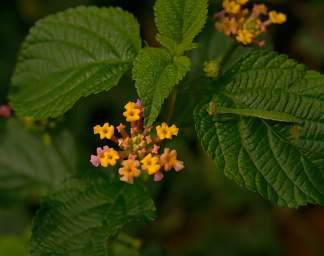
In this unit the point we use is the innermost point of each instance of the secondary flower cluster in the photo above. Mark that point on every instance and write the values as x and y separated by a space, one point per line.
5 111
139 150
246 25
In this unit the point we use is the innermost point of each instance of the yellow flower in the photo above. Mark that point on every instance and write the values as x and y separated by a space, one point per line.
244 36
106 131
174 130
166 132
231 6
259 9
109 157
169 160
277 17
242 2
129 171
150 164
132 113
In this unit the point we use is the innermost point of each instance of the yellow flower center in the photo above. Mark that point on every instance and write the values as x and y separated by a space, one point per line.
150 164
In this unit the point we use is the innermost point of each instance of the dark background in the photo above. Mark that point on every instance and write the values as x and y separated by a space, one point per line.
200 212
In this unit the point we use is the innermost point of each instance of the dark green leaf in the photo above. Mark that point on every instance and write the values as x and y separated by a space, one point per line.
283 160
28 165
84 216
71 55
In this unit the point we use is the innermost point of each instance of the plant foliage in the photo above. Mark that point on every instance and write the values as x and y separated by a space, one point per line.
70 55
85 214
277 152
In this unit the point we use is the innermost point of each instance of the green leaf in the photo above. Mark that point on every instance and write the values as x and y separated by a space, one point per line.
122 249
13 246
85 215
283 161
28 165
179 21
156 73
71 55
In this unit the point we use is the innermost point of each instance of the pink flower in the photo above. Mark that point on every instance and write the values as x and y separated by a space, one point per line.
95 161
139 104
148 139
155 149
5 111
158 176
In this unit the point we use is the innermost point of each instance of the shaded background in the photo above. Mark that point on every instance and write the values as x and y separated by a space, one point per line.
200 212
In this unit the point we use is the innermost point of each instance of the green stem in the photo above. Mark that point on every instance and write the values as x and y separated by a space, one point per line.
263 114
230 50
172 104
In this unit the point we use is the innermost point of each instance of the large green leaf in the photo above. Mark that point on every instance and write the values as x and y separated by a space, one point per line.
28 165
179 21
71 55
156 73
85 215
276 146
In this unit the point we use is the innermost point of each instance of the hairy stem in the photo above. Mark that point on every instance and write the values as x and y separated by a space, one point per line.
172 104
230 50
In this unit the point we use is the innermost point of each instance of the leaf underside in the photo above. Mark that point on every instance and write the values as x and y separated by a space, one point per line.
282 161
70 55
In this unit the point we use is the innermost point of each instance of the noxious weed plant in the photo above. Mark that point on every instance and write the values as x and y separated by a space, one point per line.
260 118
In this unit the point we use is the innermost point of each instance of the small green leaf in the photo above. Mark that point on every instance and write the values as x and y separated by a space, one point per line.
278 149
28 165
156 73
179 22
85 215
71 55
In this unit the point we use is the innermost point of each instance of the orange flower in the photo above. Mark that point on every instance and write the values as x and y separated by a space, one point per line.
129 171
169 160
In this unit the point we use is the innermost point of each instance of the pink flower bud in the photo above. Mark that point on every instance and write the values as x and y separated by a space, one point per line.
5 111
158 176
95 161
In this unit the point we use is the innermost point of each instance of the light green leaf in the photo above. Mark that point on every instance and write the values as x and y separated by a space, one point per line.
28 165
71 55
13 246
282 160
85 215
122 249
156 73
179 21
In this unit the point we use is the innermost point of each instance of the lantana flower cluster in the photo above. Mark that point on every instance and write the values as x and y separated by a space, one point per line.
139 150
246 25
